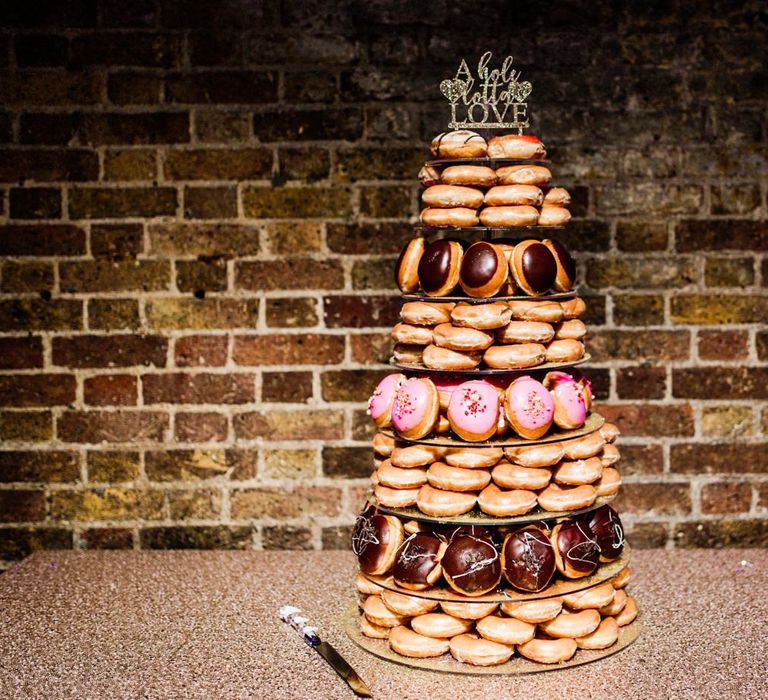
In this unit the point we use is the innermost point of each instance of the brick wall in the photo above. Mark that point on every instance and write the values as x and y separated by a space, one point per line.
200 206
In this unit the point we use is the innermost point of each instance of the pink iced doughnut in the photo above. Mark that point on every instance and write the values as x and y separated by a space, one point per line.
529 407
414 412
473 410
382 398
445 386
570 407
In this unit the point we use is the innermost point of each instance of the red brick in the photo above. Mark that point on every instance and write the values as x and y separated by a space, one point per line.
291 312
359 312
201 351
218 126
641 459
720 383
649 419
110 351
41 50
657 499
641 236
210 202
21 352
296 202
220 48
652 535
27 276
363 428
368 239
188 537
723 345
134 88
290 425
186 465
377 163
110 503
637 309
284 349
111 466
92 427
22 506
42 239
131 164
117 203
117 240
634 345
720 458
20 165
307 164
336 537
347 462
113 314
281 504
114 276
195 505
731 234
51 88
142 13
198 388
641 272
371 348
722 533
286 238
201 427
26 426
218 164
315 124
726 497
111 390
641 382
30 390
350 384
287 387
20 542
729 272
291 273
51 466
201 276
35 203
222 87
286 537
127 49
229 240
707 309
201 314
107 538
40 315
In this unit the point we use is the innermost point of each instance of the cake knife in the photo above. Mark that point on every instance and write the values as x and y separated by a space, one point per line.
293 617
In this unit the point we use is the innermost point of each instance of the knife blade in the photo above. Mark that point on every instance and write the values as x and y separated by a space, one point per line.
292 616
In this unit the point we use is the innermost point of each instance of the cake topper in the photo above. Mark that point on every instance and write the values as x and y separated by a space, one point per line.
497 103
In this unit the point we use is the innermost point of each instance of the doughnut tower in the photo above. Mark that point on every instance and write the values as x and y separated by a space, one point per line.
487 543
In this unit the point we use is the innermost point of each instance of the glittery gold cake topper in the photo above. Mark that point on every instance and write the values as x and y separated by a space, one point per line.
498 99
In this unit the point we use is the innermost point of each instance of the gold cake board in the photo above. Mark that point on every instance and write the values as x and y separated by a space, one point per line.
517 665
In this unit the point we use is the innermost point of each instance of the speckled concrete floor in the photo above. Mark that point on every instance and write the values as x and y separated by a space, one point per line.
204 625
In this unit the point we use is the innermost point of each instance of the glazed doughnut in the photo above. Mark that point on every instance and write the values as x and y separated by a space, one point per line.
379 614
528 407
533 267
469 458
616 604
572 625
593 598
609 432
622 579
429 176
585 385
414 412
417 563
525 332
439 266
440 625
502 217
459 144
515 356
571 330
629 613
408 354
481 316
473 649
447 478
573 308
609 483
473 410
570 407
462 339
513 476
610 455
477 175
530 310
536 455
576 551
442 504
447 196
606 527
516 146
557 499
365 586
585 447
371 630
493 501
565 350
528 559
557 197
468 611
566 267
554 216
406 642
515 195
398 478
412 526
505 630
547 651
415 455
534 611
383 444
456 217
471 565
375 541
436 357
407 267
483 271
411 335
603 637
422 313
583 471
381 401
395 498
407 605
523 175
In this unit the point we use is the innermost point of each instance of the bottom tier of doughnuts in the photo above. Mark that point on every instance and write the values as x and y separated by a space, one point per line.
546 631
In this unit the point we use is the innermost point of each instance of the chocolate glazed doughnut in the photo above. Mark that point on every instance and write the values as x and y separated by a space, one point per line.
533 267
566 267
528 559
471 565
483 270
608 531
439 267
417 562
577 553
375 540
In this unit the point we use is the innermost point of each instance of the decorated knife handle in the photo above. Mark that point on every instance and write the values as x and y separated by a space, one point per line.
292 616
